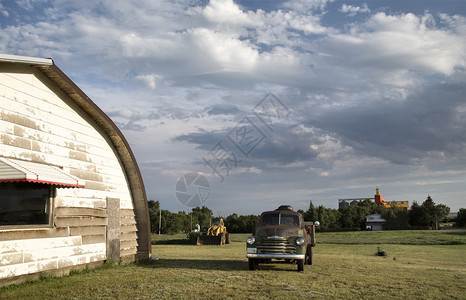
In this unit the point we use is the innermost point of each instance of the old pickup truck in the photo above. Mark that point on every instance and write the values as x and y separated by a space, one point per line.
281 234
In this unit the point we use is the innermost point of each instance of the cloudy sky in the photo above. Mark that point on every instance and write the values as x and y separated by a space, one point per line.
273 102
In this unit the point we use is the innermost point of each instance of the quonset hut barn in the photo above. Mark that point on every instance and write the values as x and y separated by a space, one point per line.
71 193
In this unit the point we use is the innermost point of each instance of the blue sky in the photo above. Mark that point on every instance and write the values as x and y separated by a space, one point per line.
289 101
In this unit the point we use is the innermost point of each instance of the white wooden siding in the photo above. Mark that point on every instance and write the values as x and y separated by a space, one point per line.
38 255
36 124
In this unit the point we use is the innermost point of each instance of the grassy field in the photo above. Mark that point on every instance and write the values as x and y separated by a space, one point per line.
419 265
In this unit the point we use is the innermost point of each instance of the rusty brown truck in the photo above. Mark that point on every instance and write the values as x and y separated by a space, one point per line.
283 235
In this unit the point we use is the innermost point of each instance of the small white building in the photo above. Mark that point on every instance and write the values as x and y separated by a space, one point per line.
71 193
375 222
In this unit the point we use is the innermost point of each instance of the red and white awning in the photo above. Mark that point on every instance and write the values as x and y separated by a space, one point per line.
13 170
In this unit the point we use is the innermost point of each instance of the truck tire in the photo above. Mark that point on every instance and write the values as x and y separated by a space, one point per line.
301 265
227 238
253 264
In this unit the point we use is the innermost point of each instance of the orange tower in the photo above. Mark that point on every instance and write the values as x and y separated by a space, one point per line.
378 198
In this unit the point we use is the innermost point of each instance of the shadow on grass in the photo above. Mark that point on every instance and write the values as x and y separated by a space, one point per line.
216 265
199 264
171 242
456 232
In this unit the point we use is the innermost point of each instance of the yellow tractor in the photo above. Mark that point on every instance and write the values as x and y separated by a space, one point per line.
216 234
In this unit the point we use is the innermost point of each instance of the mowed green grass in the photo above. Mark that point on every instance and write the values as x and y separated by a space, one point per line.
341 270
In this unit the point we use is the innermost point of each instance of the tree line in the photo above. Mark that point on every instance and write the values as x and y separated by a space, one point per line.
181 221
427 215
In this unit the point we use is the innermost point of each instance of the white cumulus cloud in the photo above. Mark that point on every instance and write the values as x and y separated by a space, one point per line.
354 10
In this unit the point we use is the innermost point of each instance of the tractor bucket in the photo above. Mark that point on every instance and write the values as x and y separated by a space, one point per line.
210 240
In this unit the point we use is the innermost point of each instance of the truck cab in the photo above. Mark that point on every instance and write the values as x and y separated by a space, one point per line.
281 234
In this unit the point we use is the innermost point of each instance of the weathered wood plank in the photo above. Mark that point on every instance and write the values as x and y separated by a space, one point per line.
22 234
128 252
128 258
128 244
55 272
126 236
79 221
99 186
87 230
63 116
128 228
37 244
27 268
47 129
11 259
91 202
127 221
81 259
80 211
127 213
47 254
93 239
46 265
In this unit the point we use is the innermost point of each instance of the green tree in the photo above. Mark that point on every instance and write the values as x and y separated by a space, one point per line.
397 218
349 217
428 213
154 208
434 213
461 218
417 215
231 222
184 221
327 217
247 222
202 216
311 214
169 225
364 208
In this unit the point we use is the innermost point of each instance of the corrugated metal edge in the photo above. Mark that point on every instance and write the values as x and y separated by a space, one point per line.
25 59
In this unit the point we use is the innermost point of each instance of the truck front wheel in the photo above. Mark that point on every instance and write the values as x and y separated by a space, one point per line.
301 265
253 264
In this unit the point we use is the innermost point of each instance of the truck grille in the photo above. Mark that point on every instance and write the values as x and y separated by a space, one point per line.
275 246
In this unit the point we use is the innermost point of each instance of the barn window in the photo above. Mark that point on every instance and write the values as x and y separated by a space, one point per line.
27 190
24 203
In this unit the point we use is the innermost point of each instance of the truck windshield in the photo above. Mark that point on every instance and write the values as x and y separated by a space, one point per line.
280 219
215 222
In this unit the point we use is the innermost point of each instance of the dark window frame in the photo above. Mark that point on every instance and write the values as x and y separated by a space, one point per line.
277 219
48 204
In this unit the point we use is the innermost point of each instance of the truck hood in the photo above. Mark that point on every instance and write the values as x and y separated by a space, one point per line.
278 230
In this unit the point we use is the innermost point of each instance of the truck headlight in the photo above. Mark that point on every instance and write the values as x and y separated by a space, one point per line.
300 241
251 240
